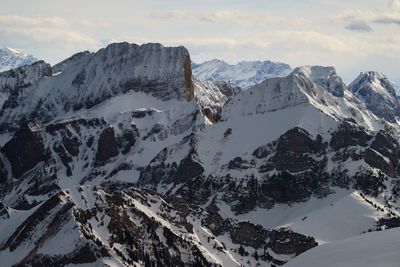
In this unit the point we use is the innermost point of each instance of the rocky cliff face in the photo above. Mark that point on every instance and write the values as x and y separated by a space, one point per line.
106 147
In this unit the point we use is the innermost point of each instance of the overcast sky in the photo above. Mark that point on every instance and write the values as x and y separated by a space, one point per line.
352 35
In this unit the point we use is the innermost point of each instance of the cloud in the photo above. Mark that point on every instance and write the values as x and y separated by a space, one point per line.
388 20
394 4
50 38
288 44
237 17
384 16
359 26
93 24
54 30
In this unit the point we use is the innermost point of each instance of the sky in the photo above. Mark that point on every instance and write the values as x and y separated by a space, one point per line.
352 35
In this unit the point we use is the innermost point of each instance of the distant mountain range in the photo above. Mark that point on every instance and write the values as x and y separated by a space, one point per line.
11 58
244 74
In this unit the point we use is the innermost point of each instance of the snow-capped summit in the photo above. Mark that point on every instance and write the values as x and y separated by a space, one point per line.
244 74
11 58
324 76
316 86
378 93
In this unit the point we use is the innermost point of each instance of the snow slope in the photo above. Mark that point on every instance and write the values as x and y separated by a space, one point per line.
11 58
244 74
367 250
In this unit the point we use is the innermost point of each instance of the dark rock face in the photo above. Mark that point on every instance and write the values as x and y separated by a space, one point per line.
127 140
238 164
388 223
297 140
3 172
349 134
387 146
187 68
187 170
4 211
248 234
281 241
374 159
107 146
158 171
25 150
161 172
227 89
292 153
288 242
285 187
369 183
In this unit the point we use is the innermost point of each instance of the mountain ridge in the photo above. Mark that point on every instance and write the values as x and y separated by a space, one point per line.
214 177
243 74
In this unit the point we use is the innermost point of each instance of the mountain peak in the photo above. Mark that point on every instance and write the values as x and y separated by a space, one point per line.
11 58
378 93
324 76
315 73
373 80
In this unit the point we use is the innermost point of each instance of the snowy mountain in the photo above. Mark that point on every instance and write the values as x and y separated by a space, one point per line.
378 94
124 158
244 74
11 59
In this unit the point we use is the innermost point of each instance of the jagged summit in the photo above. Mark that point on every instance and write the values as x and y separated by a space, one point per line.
374 80
11 58
244 74
324 76
315 73
377 92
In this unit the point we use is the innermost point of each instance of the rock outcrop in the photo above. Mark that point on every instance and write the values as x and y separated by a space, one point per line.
25 150
107 146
